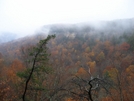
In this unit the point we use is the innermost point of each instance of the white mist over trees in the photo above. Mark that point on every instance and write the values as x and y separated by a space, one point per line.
25 17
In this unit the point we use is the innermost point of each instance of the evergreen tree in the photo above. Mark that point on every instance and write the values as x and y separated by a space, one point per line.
34 76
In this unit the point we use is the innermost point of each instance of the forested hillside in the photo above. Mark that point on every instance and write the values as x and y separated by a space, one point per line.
82 63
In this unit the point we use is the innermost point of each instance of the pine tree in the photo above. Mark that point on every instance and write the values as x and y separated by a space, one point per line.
34 75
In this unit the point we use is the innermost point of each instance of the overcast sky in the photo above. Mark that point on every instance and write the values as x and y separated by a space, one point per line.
25 16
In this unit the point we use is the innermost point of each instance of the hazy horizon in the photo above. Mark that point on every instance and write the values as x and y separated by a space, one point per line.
25 17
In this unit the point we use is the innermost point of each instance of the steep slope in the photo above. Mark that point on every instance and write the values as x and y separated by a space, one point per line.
110 30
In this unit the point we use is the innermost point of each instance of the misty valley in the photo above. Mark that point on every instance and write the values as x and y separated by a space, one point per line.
70 62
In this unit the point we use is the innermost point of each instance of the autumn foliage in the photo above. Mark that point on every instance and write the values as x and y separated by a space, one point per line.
74 59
